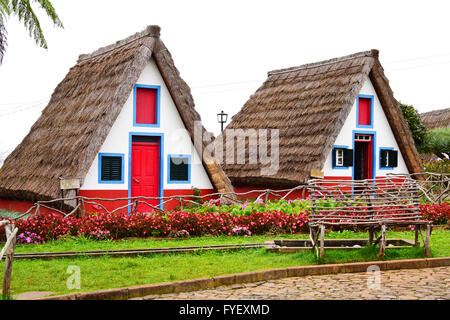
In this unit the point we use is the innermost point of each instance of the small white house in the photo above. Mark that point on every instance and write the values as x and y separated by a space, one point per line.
122 122
336 118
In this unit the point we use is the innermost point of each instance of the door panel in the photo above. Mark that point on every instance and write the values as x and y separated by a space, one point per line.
363 160
145 172
359 160
146 105
364 111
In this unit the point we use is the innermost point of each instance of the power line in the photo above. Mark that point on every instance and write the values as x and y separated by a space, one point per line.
23 104
10 109
418 58
420 66
225 90
23 109
226 84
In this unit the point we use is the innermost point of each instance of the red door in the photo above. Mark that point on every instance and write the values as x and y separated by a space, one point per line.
363 165
145 172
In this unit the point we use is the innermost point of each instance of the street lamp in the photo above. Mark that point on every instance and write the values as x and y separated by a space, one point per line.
222 118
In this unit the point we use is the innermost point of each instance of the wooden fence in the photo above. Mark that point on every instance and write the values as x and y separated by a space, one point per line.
431 187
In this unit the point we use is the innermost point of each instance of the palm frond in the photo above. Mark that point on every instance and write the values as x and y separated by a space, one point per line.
5 11
50 10
3 42
5 8
25 13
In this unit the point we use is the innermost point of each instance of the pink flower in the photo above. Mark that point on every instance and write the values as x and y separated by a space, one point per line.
259 200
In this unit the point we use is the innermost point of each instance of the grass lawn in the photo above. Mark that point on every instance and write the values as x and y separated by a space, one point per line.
109 272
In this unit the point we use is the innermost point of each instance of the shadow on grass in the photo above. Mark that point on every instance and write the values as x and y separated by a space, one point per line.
369 253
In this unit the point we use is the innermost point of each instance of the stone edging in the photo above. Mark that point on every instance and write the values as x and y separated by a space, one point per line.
247 277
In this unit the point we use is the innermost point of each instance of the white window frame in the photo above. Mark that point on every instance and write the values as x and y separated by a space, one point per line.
363 137
339 161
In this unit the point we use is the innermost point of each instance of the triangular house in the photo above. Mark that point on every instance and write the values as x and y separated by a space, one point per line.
337 118
122 122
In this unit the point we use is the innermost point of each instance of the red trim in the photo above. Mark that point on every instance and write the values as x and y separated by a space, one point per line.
105 194
19 206
398 181
369 172
349 178
111 194
23 206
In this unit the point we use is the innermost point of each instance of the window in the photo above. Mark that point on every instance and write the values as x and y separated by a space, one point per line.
342 157
363 137
364 112
146 106
110 168
388 158
179 169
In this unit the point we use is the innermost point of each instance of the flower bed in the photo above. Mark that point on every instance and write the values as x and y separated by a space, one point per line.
209 219
438 213
50 226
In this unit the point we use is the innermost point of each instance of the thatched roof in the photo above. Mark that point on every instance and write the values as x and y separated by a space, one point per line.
66 138
433 120
436 119
309 105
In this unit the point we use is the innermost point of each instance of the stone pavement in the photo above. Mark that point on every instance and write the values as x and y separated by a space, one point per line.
429 283
30 295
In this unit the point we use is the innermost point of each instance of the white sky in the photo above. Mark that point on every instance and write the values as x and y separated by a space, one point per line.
224 49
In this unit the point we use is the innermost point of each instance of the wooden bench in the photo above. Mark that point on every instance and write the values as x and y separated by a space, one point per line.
373 205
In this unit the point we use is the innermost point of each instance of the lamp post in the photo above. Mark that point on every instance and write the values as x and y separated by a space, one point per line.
222 118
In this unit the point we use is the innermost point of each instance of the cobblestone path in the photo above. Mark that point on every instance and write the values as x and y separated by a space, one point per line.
429 283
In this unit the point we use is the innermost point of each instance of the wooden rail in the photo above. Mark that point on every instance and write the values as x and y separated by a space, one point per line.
431 186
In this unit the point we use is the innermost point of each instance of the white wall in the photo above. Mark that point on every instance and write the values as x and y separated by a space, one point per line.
384 137
176 139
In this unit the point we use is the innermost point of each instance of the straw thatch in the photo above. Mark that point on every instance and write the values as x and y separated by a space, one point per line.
309 105
436 119
433 120
66 138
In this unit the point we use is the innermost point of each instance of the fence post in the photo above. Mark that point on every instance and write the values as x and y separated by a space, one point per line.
322 241
427 241
135 206
82 208
382 241
11 232
416 235
370 235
